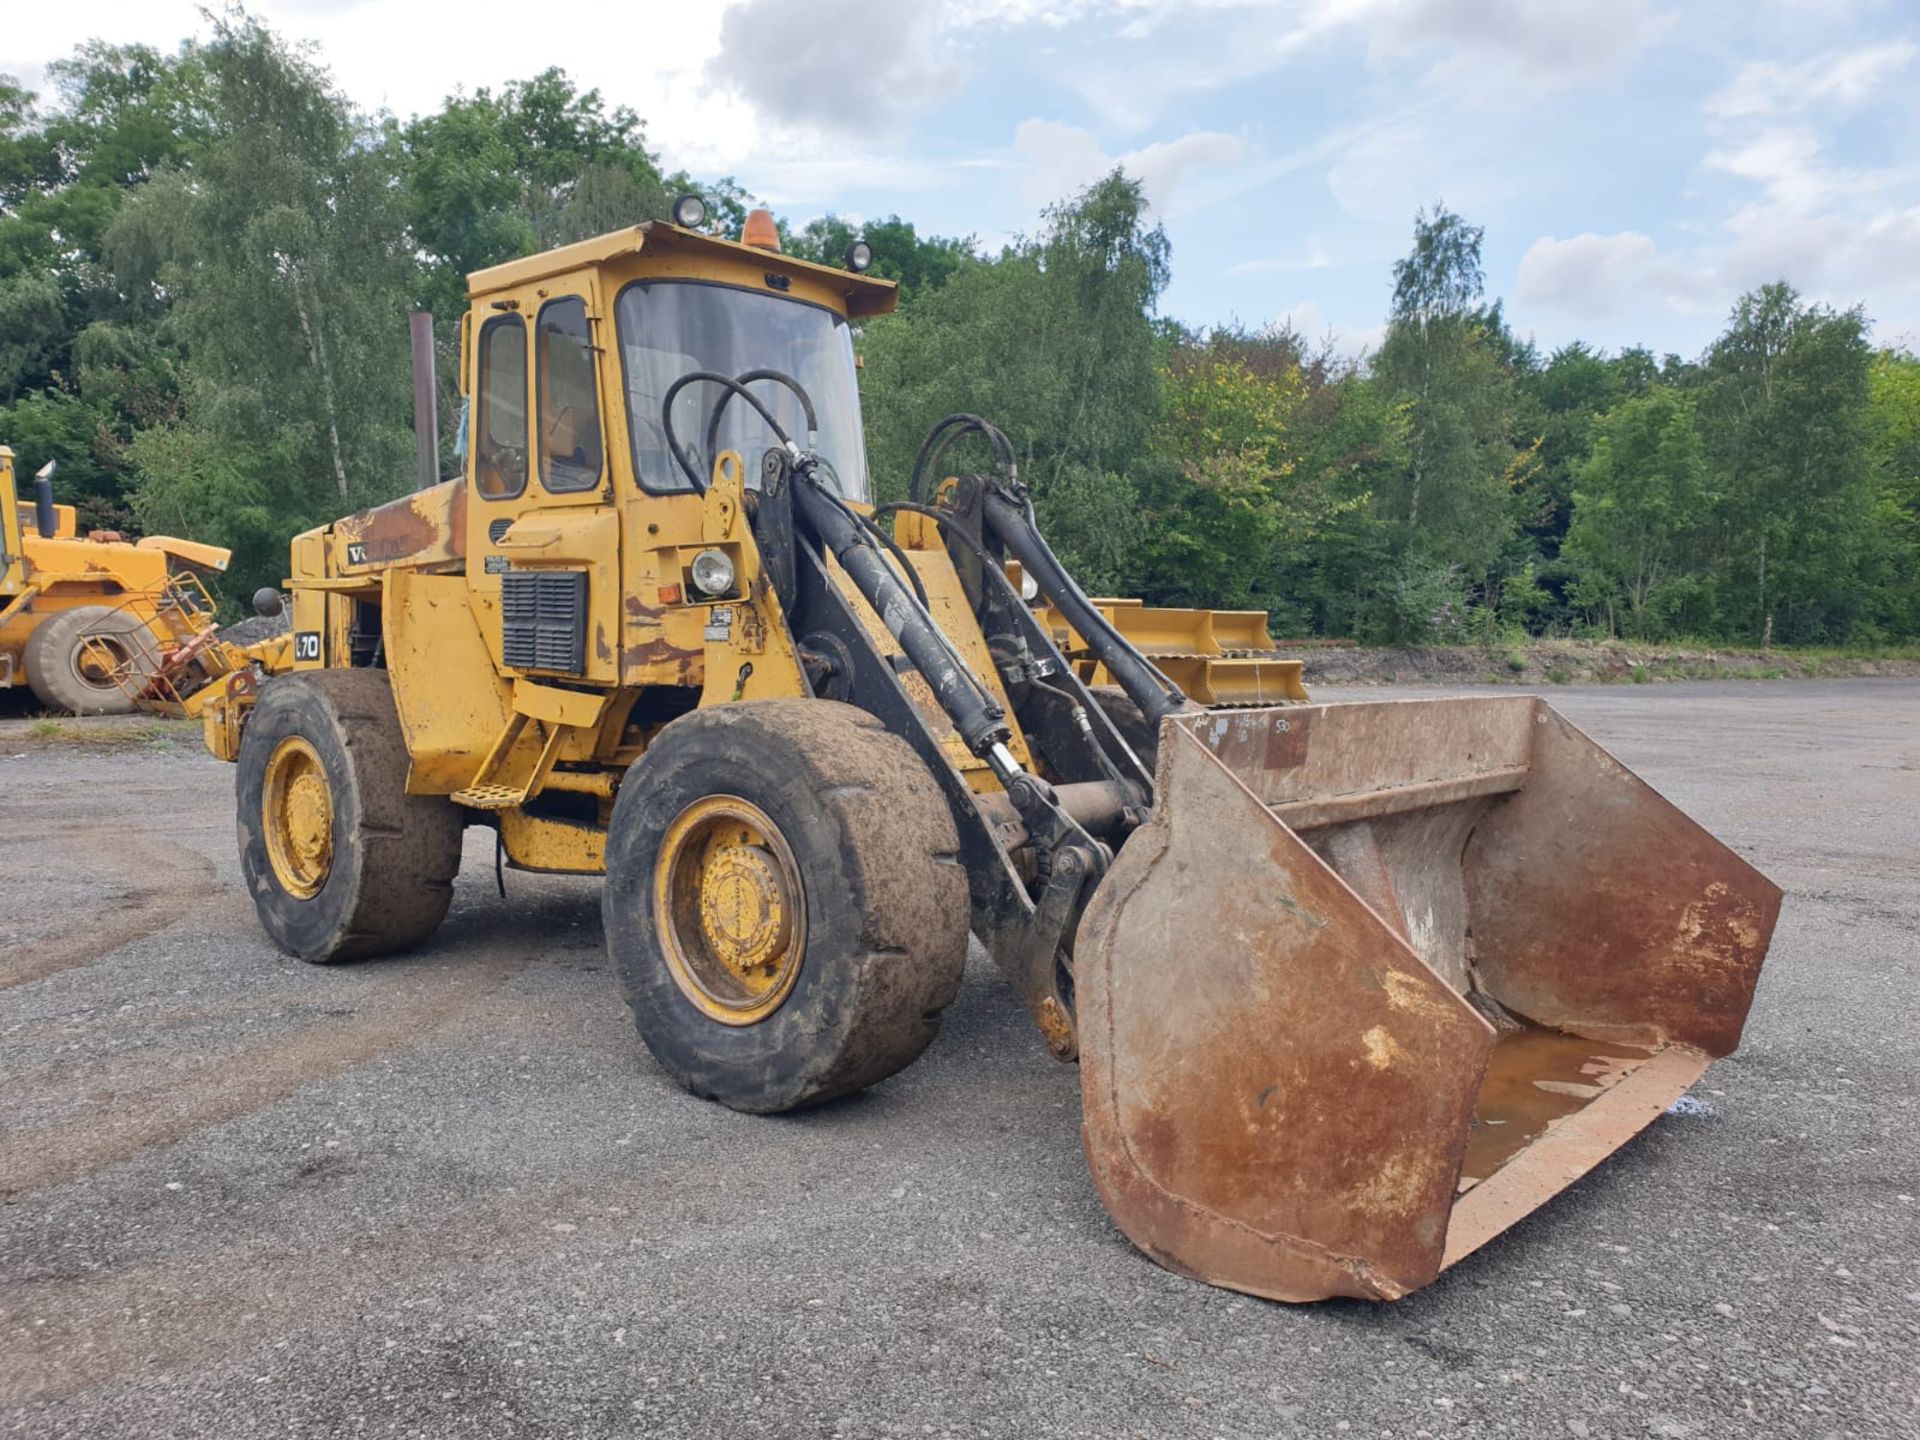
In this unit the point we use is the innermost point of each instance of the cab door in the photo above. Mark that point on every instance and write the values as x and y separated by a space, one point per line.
543 535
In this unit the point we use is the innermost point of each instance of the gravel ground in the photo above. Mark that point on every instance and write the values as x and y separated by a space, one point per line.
449 1195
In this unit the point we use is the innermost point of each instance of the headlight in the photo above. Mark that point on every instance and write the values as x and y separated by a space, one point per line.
859 256
712 572
689 212
1029 588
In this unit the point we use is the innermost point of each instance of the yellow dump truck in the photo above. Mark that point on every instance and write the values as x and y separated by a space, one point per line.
1352 987
81 615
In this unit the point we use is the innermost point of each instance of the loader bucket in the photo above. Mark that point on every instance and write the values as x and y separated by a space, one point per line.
1378 979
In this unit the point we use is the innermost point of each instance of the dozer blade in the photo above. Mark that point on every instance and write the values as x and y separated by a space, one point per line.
1378 979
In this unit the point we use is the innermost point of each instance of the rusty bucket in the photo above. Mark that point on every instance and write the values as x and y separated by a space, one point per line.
1379 979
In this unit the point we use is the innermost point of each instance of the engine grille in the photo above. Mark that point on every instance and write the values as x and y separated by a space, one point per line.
543 620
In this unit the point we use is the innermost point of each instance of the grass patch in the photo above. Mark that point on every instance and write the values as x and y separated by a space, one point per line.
109 733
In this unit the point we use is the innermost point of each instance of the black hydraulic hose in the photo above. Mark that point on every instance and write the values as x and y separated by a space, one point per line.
733 387
1156 695
747 377
975 715
935 445
953 528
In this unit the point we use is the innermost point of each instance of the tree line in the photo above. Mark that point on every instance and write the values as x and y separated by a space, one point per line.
206 258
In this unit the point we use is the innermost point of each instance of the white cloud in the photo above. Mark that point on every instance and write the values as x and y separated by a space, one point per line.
1788 164
1840 77
837 65
1064 158
1569 40
1603 277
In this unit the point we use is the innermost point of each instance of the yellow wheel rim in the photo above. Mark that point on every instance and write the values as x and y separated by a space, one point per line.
297 818
100 660
729 910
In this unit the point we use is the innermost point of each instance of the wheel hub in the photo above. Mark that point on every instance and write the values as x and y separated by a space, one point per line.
744 914
297 817
730 910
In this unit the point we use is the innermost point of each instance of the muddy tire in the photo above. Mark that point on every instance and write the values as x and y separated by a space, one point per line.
341 862
70 659
784 902
1128 719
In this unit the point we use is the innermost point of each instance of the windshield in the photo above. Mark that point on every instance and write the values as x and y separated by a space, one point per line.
668 328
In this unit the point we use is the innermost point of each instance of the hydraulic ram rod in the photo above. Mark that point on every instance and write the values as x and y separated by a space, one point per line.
1156 696
979 720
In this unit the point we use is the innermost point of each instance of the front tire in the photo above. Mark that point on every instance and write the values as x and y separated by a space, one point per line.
342 863
784 902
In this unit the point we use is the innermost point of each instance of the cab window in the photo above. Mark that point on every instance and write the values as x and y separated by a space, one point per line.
668 327
570 448
500 454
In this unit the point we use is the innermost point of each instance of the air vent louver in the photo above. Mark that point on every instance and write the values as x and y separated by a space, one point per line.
543 620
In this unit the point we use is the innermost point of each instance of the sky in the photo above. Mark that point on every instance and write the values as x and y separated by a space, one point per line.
1636 164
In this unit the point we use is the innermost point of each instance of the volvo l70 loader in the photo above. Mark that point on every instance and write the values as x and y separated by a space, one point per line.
1351 987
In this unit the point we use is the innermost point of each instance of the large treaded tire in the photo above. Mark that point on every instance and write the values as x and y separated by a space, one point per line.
53 654
394 855
884 894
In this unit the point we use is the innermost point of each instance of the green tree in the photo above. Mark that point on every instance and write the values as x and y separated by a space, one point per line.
1784 414
1230 486
899 252
282 244
1448 361
495 175
1639 510
83 363
1894 421
1053 341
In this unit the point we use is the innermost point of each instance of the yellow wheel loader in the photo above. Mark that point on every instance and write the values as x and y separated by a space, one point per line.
1352 987
82 617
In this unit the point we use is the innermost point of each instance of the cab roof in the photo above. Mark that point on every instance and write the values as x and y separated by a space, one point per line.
864 295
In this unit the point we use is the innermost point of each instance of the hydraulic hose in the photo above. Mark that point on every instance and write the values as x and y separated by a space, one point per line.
943 434
747 377
998 571
1156 695
975 715
734 387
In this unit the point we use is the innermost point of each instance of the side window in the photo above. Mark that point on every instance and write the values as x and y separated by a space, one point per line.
570 448
500 451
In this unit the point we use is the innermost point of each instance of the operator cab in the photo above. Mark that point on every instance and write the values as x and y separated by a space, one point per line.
623 317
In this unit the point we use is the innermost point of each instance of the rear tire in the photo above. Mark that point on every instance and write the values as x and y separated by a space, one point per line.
67 674
342 863
800 843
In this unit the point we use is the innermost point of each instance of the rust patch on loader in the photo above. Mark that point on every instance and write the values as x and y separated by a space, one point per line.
663 662
427 525
1290 1087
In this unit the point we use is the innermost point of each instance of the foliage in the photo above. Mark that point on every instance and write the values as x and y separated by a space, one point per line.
1054 341
899 252
1642 502
1783 416
1230 486
207 256
284 253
